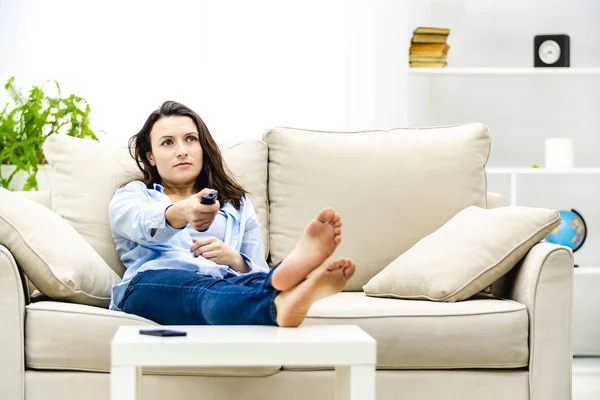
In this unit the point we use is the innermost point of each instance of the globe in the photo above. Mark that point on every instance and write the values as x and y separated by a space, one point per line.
571 232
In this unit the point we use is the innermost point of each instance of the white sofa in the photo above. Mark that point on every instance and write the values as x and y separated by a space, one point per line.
392 189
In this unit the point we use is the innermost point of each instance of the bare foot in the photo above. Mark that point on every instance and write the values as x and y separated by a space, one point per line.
292 305
320 238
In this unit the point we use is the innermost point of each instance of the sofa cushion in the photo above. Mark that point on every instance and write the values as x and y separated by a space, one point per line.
86 173
391 188
412 334
41 197
63 336
55 258
469 253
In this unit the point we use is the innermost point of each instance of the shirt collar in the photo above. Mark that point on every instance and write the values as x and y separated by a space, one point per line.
158 187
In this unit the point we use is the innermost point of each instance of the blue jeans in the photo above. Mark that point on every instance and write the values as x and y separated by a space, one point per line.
177 297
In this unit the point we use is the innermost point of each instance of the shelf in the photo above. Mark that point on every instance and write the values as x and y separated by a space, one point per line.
585 270
504 71
513 172
551 171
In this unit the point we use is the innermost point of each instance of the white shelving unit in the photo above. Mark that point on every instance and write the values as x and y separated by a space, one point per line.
586 311
550 171
504 71
513 172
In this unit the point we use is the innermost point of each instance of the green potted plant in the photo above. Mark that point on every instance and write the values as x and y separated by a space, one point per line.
26 122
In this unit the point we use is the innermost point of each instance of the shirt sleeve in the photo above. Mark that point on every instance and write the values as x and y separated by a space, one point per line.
133 216
253 249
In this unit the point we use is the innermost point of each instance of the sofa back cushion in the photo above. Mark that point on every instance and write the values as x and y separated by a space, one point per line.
86 173
392 188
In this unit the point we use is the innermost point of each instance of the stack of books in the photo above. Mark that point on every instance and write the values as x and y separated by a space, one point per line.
428 48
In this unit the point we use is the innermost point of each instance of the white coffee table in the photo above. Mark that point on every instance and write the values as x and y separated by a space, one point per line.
347 347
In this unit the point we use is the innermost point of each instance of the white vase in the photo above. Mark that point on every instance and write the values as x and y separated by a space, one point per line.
43 177
559 153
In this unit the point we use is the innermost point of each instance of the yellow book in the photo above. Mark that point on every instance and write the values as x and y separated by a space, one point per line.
427 64
427 38
417 58
431 49
425 29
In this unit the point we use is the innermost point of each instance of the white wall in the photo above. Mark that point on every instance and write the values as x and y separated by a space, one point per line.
244 66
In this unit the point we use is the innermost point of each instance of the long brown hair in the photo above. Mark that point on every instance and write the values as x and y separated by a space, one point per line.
213 174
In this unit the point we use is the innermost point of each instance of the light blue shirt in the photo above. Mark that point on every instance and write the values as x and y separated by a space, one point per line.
135 211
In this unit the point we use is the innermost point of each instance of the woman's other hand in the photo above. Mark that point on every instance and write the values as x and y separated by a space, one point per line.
215 250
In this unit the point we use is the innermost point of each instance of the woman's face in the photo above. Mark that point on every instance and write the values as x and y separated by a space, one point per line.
176 150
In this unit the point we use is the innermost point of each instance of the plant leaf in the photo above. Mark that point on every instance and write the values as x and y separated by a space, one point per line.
27 121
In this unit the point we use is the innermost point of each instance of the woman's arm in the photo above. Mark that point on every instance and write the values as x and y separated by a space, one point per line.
175 216
134 217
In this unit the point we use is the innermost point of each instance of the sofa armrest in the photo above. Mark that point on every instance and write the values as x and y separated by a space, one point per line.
543 281
12 315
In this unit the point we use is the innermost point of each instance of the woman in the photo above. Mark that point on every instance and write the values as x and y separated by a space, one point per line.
191 263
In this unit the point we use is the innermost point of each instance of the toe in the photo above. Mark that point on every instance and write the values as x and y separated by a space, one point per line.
326 215
337 219
349 271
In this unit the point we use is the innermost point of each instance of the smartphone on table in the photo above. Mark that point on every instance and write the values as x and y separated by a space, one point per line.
162 332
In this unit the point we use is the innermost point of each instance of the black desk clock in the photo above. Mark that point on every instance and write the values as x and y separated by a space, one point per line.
551 51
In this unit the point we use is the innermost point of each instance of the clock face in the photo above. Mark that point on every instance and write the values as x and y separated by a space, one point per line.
549 52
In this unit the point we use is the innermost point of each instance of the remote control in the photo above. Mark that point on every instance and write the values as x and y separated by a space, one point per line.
209 198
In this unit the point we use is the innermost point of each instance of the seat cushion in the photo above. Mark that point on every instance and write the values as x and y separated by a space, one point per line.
392 188
64 336
86 173
416 334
